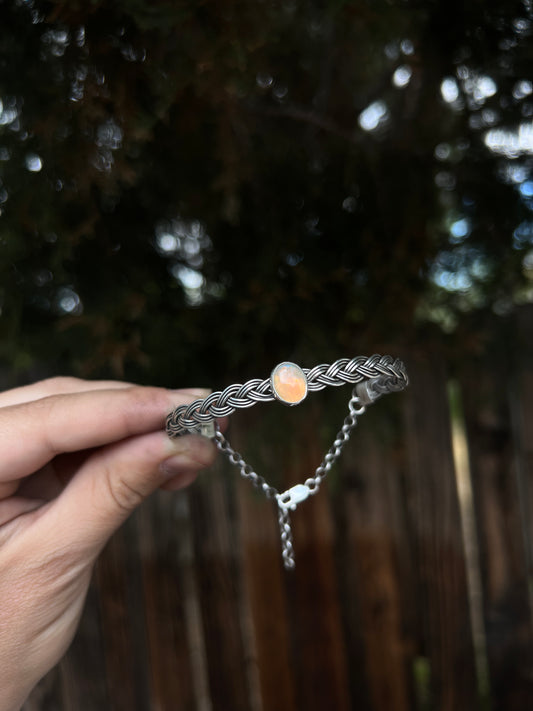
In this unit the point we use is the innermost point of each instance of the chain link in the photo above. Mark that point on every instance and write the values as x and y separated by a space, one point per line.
288 500
372 378
285 532
245 469
342 437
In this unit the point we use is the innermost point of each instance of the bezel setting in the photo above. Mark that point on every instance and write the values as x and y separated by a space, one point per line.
282 390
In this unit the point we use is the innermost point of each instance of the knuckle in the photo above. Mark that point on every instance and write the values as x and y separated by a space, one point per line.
123 494
141 405
144 399
43 411
143 396
61 384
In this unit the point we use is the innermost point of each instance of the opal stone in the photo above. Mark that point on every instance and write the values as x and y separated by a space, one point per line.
289 383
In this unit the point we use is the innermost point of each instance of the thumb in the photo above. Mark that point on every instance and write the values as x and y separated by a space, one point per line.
115 479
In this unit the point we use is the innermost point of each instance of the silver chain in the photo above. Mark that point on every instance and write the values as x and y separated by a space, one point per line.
288 500
372 377
245 470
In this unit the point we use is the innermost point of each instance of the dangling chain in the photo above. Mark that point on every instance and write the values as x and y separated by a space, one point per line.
288 500
372 377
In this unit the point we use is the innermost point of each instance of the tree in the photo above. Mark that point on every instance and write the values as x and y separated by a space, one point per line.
195 188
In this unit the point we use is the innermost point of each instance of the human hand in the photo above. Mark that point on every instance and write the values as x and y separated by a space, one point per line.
76 458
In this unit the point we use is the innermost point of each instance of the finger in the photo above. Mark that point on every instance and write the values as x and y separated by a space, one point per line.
56 386
180 481
17 506
116 479
32 433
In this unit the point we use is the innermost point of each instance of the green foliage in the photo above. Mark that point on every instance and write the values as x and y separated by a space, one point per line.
195 188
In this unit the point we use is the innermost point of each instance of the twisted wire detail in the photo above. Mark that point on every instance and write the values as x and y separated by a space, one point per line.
383 374
371 377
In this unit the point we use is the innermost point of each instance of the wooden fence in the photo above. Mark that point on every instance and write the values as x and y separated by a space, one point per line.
413 584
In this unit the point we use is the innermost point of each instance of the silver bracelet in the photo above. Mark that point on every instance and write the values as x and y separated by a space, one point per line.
290 384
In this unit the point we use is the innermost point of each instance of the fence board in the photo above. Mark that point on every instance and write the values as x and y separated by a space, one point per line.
123 627
319 650
372 569
319 661
515 643
440 563
499 525
168 652
265 588
521 402
217 572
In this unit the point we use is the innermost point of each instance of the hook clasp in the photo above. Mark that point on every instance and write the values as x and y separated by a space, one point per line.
292 497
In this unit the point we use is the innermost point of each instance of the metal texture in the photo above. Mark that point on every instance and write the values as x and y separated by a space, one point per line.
288 500
383 374
372 376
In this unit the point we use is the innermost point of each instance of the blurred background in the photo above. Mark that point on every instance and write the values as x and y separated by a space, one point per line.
191 192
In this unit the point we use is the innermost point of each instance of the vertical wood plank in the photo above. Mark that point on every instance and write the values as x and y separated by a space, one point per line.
499 525
217 571
436 525
123 624
264 586
521 405
516 637
319 650
372 570
171 673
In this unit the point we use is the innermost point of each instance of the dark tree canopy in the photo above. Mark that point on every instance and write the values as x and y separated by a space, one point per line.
189 188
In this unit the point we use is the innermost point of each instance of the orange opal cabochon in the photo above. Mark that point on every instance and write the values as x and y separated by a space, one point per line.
289 383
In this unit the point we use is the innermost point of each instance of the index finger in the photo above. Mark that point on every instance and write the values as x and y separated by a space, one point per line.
32 433
55 386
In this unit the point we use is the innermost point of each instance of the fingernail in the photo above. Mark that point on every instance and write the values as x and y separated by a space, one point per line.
179 464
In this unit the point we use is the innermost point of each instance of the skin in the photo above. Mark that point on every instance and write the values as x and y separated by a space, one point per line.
77 458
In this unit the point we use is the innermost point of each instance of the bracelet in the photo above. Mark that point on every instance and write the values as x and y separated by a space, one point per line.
373 377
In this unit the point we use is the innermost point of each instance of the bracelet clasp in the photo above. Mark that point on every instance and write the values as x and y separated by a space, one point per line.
292 497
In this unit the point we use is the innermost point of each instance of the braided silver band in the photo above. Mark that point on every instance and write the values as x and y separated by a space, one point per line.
372 377
381 374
